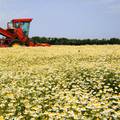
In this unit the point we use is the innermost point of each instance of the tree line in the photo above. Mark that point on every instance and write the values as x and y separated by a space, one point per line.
66 41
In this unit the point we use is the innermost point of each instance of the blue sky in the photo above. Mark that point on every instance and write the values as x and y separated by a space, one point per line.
66 18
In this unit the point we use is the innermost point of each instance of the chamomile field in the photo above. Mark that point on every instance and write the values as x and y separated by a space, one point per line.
60 83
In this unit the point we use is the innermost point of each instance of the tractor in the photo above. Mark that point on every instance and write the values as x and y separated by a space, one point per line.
17 33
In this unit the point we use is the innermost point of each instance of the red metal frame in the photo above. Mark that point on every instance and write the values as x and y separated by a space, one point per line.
22 20
7 33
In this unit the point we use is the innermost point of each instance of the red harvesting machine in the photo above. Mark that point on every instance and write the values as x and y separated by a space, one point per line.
17 33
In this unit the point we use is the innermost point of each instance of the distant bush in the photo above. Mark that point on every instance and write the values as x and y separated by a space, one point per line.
66 41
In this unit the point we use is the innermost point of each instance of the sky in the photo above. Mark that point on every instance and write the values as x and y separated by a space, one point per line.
65 18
